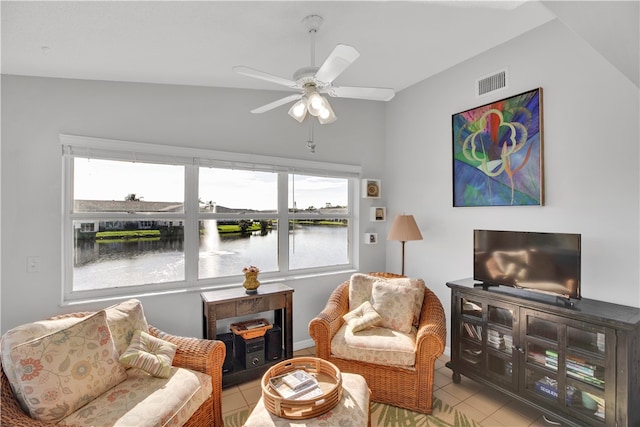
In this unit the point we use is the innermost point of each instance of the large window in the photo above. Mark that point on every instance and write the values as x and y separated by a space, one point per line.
141 217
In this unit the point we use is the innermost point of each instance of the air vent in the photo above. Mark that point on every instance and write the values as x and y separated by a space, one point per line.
491 83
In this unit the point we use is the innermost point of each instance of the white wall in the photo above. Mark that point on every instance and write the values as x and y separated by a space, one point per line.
591 157
591 168
36 110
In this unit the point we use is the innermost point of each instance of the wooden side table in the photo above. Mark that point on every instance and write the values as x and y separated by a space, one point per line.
234 302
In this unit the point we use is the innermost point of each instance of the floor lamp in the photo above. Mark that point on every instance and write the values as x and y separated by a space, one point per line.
404 228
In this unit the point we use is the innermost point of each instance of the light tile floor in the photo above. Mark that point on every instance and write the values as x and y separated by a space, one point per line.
488 407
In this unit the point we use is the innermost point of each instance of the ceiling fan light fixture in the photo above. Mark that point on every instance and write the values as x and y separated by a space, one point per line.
315 104
299 110
327 115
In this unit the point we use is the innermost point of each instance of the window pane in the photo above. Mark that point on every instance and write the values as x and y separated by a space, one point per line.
224 190
317 193
318 244
119 186
109 254
228 246
321 242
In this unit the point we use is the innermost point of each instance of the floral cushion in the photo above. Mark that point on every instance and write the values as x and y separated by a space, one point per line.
417 284
21 334
352 410
124 320
361 286
150 354
381 346
360 289
60 372
362 317
143 400
395 304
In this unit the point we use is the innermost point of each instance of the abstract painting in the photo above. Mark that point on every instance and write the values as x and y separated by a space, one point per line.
497 153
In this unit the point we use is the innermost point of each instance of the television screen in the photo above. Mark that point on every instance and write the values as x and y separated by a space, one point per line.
544 262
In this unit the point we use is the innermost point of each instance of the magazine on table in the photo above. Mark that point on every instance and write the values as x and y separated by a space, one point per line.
298 379
306 389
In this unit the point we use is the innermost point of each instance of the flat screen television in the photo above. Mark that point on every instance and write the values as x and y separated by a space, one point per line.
542 262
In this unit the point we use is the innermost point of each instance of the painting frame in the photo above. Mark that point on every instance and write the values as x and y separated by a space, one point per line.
371 188
377 214
497 153
370 238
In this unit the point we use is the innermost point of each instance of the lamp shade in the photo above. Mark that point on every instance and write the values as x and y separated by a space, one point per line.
404 228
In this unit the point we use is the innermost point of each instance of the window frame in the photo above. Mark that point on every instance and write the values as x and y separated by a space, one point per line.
192 159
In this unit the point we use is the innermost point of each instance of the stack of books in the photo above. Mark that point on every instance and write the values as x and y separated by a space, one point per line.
551 359
549 387
296 385
577 368
495 339
589 373
508 343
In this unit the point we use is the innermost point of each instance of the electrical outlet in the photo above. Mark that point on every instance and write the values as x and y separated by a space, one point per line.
33 264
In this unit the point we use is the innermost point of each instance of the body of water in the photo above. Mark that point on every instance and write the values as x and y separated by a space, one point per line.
129 263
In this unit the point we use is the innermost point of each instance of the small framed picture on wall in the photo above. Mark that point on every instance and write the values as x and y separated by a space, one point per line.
378 214
371 238
371 188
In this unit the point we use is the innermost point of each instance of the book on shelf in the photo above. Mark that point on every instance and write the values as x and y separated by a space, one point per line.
586 378
305 391
473 331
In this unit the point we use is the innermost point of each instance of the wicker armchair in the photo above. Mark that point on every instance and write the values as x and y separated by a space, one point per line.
410 388
196 354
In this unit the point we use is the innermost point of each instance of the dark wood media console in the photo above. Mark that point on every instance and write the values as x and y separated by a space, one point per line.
577 363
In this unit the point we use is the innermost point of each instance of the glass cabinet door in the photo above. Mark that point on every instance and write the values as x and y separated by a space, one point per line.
501 319
471 331
541 357
565 365
585 371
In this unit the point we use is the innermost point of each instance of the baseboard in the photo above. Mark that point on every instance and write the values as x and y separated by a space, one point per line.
300 345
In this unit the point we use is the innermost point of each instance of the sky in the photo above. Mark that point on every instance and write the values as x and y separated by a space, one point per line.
96 179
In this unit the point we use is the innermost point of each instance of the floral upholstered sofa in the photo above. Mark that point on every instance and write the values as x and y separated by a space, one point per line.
109 368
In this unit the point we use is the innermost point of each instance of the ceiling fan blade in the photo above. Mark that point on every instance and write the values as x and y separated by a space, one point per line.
342 56
276 104
370 93
264 76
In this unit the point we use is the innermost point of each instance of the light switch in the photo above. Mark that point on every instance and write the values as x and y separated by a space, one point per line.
33 264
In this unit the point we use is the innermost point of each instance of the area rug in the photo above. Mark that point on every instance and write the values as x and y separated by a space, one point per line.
443 415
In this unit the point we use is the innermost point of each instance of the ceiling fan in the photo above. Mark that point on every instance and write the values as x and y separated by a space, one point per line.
314 81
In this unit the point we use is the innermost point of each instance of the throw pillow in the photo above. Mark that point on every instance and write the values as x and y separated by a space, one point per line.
150 354
20 335
61 372
124 319
362 317
416 284
395 303
360 289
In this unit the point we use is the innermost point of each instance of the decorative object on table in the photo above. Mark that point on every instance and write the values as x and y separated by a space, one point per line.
298 385
251 328
498 153
328 378
251 282
404 228
371 188
378 214
370 238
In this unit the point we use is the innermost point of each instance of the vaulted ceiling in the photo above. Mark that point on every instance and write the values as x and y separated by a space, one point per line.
198 43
